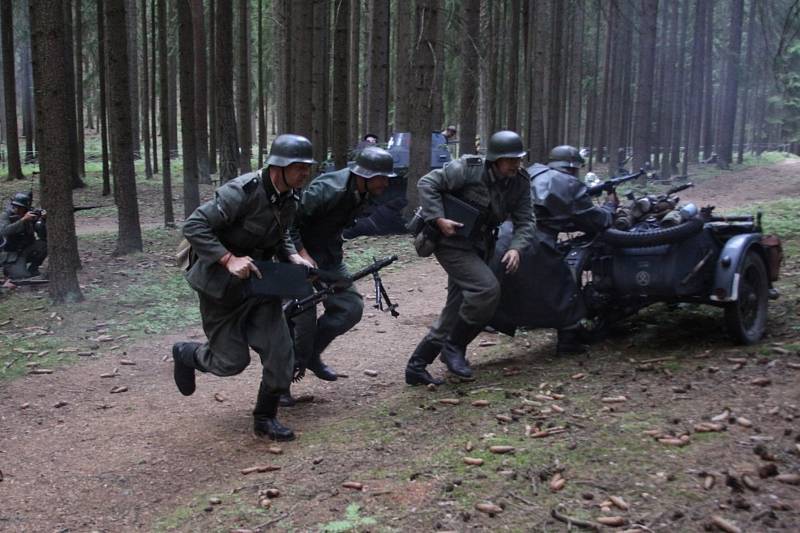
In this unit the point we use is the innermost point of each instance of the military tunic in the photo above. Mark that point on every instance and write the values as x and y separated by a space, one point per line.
22 252
246 217
473 291
329 204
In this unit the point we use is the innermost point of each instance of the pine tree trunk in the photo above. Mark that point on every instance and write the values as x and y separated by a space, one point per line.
730 90
695 94
103 109
69 60
554 89
748 81
708 91
200 92
191 191
401 60
9 91
668 71
341 67
166 163
229 141
148 169
437 120
575 78
679 101
153 78
426 14
353 77
319 115
213 125
537 87
133 64
378 70
172 61
302 23
262 121
511 121
642 123
470 53
243 88
129 237
79 88
27 102
52 109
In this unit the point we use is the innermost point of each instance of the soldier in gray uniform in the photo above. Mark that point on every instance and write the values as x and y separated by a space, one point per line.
23 238
498 188
561 204
247 220
329 204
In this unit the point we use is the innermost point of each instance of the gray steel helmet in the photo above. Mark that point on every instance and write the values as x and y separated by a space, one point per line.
565 156
22 199
288 148
504 144
373 161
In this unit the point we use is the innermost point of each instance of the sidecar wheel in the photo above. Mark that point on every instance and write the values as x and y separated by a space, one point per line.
746 318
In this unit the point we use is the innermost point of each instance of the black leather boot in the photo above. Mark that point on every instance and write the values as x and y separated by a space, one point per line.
320 369
569 342
454 351
287 400
424 354
183 373
265 421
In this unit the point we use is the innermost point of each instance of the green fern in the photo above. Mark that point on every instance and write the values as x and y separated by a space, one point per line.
353 521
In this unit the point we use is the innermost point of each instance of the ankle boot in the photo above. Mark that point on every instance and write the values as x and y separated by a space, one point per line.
183 372
265 421
569 342
287 400
424 354
320 369
455 348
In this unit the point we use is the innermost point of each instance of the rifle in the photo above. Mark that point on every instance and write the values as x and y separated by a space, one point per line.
329 283
611 184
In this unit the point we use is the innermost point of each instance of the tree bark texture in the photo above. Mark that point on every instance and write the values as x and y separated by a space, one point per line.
243 88
200 92
642 122
69 59
730 86
341 66
470 57
163 67
191 191
9 91
145 96
48 36
103 109
129 237
79 87
229 141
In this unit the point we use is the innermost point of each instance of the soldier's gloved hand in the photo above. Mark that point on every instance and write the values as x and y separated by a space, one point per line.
241 267
448 227
29 216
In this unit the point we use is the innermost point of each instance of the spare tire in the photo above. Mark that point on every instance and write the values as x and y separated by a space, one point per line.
657 237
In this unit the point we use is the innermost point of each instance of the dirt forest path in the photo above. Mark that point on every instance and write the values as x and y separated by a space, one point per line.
76 457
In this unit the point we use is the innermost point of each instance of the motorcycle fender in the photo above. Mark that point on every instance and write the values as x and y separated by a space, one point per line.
726 276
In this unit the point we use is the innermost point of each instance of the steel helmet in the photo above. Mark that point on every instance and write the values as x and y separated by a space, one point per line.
22 199
565 156
288 148
504 144
373 161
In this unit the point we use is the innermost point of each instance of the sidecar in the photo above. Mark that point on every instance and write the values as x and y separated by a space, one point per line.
725 262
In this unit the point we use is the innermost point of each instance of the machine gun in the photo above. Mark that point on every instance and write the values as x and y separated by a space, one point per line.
611 184
328 283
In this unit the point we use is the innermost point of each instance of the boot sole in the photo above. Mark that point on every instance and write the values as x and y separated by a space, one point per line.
413 381
178 374
274 437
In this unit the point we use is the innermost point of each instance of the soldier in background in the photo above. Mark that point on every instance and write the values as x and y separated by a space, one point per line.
23 238
247 220
330 204
498 189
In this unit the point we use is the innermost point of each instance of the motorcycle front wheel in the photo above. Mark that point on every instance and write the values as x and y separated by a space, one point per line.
746 318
